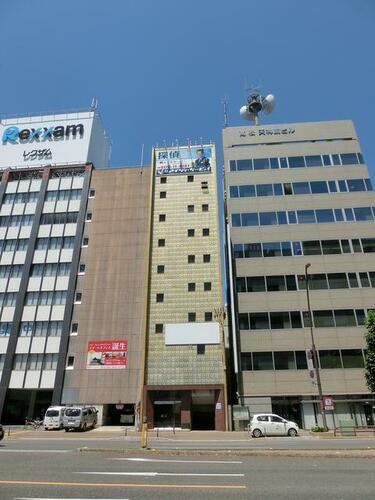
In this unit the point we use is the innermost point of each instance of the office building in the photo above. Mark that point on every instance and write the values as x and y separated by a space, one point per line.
184 384
296 194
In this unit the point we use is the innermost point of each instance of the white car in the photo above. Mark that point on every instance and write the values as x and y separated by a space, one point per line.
268 424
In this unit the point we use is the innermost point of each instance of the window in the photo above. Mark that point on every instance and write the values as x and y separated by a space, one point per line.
331 247
163 194
305 216
243 321
246 191
160 269
301 361
255 284
163 180
190 208
337 280
363 213
161 242
330 359
262 361
160 297
287 188
190 178
201 349
318 187
246 362
296 161
206 258
313 161
205 231
26 329
349 159
323 319
261 163
311 247
159 328
368 245
88 216
74 328
271 249
191 317
356 185
85 242
345 317
78 298
208 316
162 217
191 259
284 360
268 218
324 216
352 358
252 250
92 193
280 320
207 286
275 283
245 164
50 361
19 362
82 268
70 363
353 281
191 287
190 233
205 207
5 329
259 321
264 190
249 219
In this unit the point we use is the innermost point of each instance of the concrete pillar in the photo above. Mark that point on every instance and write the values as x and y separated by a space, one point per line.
219 410
186 410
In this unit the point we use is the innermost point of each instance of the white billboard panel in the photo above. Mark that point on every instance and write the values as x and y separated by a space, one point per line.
192 333
53 139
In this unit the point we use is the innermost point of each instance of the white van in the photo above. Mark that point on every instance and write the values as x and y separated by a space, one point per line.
80 419
53 418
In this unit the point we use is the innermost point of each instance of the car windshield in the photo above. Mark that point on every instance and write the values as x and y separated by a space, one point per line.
73 412
52 413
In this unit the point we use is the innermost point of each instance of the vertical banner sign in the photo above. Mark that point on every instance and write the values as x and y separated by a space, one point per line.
104 354
310 366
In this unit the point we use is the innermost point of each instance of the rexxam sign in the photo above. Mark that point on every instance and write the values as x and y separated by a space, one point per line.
14 135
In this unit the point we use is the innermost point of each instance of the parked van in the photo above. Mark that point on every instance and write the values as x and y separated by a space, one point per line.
53 419
77 418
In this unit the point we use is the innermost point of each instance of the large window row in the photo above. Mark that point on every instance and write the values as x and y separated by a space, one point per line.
59 218
61 269
16 220
54 243
290 188
66 194
296 161
301 319
318 216
13 245
10 198
292 282
64 172
5 328
40 329
45 298
309 247
8 271
35 361
296 360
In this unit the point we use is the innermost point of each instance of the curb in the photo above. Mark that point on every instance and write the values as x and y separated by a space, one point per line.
344 453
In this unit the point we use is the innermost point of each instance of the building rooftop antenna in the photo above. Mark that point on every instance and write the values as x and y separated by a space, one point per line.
94 103
255 104
224 102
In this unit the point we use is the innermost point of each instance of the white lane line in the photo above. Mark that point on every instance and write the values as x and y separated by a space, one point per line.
34 451
59 498
177 461
154 474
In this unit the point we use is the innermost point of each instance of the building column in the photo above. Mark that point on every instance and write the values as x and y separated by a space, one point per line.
219 410
148 406
186 410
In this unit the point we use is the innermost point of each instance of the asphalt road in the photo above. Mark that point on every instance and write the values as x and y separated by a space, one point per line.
67 474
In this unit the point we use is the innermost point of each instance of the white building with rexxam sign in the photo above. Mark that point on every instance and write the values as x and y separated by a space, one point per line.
53 139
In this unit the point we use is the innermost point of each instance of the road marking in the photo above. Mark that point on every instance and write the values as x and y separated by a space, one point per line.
33 451
178 461
125 485
155 474
59 498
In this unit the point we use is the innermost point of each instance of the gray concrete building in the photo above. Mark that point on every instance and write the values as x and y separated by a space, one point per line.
295 194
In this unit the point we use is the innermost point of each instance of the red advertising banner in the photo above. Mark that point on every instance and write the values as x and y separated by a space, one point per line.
107 354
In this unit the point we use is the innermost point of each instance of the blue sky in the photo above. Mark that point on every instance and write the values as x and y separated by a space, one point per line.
161 67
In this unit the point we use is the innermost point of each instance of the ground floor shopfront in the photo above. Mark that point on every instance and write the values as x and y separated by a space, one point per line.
195 407
349 409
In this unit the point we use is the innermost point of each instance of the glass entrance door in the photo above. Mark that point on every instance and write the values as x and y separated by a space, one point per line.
167 415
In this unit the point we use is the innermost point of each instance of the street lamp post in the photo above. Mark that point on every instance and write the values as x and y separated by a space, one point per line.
313 348
219 315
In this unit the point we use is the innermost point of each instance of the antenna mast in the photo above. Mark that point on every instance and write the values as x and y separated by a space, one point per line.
255 104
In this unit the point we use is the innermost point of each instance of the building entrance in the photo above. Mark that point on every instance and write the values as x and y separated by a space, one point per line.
25 403
167 414
203 417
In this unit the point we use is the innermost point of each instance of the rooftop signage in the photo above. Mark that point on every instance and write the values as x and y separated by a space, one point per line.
254 132
14 135
183 160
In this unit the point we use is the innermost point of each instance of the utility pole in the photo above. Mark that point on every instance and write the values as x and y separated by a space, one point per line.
313 349
219 315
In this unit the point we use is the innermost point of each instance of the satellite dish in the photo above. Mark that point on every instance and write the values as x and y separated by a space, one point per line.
268 104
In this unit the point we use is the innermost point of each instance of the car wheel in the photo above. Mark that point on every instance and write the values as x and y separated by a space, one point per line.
66 430
257 433
84 428
292 433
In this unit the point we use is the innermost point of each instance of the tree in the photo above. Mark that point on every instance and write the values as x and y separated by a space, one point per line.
370 356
